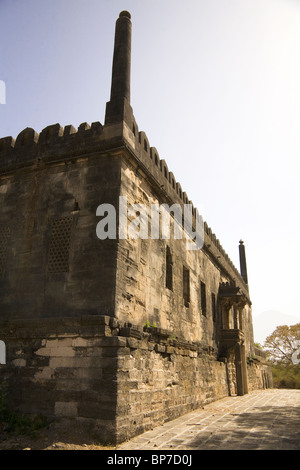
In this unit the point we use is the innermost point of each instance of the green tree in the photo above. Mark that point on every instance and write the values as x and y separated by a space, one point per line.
283 345
286 376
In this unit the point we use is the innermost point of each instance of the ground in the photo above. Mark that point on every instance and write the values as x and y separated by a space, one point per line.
261 420
58 435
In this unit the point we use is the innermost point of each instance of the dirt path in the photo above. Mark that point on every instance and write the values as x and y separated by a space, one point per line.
60 435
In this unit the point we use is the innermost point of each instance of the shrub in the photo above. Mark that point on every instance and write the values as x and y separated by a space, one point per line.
286 376
18 423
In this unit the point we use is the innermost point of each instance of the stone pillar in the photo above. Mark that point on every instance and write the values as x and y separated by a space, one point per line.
118 109
243 264
235 317
244 368
239 370
240 318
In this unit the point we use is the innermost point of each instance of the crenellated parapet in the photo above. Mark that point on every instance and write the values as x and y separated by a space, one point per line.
156 166
213 246
55 143
166 181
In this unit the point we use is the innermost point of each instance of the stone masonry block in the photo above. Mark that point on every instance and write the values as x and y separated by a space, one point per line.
58 342
56 352
133 343
127 331
114 323
112 342
19 362
66 409
160 348
115 352
56 362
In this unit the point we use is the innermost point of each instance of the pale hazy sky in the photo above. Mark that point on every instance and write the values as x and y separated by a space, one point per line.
216 88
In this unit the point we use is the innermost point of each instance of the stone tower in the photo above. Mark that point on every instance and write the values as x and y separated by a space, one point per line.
119 332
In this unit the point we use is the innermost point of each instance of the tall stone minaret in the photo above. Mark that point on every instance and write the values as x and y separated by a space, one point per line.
118 109
243 264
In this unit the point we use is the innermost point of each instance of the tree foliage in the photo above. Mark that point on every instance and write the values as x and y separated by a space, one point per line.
283 344
283 350
286 376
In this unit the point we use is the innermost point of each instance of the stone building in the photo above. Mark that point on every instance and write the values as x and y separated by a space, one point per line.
120 332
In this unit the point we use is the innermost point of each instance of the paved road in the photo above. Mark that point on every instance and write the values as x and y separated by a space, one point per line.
261 420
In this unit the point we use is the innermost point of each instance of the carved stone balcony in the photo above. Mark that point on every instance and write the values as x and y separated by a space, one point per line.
232 336
230 294
229 339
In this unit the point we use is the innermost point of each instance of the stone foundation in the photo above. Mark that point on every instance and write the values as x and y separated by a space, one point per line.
118 379
162 378
63 368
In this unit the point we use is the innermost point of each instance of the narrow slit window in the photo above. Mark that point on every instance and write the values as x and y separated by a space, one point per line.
169 269
203 298
213 307
186 286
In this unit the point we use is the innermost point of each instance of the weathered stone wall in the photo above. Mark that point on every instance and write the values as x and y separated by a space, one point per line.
117 378
259 375
114 378
51 261
163 378
64 368
141 289
57 277
141 275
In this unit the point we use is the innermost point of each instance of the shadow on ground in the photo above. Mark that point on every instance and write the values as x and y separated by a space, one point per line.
263 427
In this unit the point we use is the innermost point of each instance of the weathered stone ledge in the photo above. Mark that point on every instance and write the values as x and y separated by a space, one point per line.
111 331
